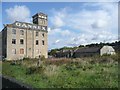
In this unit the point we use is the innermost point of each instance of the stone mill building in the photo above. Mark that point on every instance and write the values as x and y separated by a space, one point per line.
22 39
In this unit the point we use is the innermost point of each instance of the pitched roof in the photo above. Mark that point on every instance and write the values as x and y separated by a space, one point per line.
12 24
63 52
117 47
40 13
88 49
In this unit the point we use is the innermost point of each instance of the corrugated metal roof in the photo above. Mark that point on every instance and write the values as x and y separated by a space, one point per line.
88 49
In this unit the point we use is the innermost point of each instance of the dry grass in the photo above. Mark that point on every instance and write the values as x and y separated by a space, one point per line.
51 70
86 72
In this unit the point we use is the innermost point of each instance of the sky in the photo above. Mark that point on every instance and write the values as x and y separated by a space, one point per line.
69 23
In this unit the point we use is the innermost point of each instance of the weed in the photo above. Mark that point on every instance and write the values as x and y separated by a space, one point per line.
94 72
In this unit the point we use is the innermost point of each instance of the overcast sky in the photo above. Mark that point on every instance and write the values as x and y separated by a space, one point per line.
69 24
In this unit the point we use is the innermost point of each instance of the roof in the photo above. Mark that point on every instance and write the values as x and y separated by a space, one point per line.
24 25
63 52
40 13
117 47
12 24
88 49
23 22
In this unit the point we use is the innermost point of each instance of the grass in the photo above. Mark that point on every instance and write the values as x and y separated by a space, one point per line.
93 72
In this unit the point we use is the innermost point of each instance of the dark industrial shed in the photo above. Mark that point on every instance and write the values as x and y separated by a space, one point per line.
86 52
64 54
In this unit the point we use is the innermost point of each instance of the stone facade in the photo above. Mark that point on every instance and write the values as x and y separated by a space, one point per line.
23 39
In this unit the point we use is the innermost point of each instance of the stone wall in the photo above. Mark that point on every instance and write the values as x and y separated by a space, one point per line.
30 48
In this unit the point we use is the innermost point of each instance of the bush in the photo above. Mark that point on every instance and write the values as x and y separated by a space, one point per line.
26 58
32 70
13 63
42 57
51 70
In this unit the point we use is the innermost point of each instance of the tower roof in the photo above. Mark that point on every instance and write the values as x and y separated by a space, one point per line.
40 13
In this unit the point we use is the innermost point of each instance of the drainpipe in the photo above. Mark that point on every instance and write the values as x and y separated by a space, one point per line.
26 42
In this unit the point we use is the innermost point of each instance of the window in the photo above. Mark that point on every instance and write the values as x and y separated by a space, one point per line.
13 41
42 34
43 43
13 51
13 31
36 42
21 41
37 33
21 32
21 51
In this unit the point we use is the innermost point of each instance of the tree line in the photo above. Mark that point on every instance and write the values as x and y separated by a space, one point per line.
115 44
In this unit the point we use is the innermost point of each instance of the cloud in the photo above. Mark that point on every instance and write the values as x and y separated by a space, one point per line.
65 33
57 41
18 13
58 37
86 25
84 38
58 21
99 24
58 18
93 23
49 29
61 1
59 31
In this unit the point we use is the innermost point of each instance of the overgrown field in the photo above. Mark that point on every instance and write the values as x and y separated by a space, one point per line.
94 72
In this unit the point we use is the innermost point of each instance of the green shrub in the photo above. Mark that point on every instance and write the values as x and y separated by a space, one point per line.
77 73
51 70
32 70
42 58
13 63
26 58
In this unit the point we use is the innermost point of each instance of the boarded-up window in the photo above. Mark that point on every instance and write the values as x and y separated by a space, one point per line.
21 51
13 51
